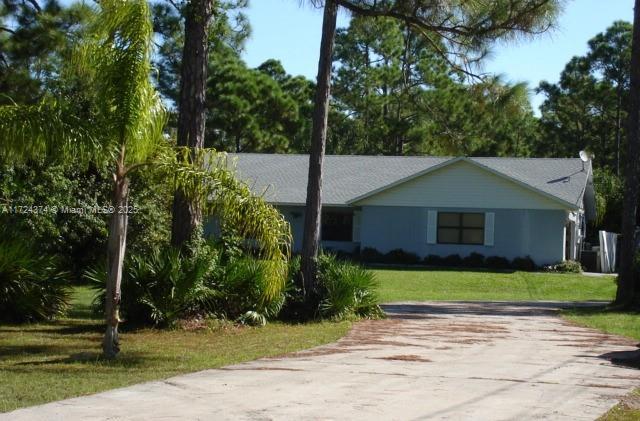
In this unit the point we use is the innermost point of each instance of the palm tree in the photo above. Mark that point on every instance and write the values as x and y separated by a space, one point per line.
127 134
628 285
460 32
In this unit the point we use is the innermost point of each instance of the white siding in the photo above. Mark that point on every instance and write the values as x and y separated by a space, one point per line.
461 185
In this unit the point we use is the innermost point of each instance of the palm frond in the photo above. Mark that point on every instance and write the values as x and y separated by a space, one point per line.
208 178
45 129
117 58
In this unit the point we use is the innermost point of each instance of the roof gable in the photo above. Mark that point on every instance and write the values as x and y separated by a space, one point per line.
462 183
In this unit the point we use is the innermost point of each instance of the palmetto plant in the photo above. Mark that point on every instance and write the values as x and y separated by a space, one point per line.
125 131
31 286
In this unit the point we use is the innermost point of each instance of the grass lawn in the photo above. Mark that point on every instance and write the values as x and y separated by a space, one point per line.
619 323
423 284
51 361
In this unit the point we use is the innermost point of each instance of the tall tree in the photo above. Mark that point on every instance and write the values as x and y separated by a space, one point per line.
192 107
311 236
587 106
628 292
401 97
468 29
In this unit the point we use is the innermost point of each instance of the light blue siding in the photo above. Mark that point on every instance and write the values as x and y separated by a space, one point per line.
517 233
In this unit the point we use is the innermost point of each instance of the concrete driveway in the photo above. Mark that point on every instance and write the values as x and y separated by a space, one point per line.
440 360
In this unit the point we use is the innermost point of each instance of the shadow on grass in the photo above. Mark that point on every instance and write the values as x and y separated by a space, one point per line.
425 268
59 328
128 360
482 308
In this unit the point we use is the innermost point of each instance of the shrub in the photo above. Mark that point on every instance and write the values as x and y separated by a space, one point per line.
524 263
346 289
474 260
497 262
452 260
371 255
399 256
163 286
433 260
241 288
567 266
31 286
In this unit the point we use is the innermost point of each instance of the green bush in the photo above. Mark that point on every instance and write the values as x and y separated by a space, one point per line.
452 261
567 266
346 289
163 286
401 257
497 262
473 260
31 285
433 260
371 255
241 286
524 263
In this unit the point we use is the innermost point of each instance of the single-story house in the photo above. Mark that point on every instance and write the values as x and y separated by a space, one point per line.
508 207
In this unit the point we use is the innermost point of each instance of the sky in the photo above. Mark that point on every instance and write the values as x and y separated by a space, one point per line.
289 32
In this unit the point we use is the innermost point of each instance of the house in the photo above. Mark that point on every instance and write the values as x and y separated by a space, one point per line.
508 207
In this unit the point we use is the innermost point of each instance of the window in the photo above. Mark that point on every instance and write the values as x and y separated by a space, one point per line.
460 228
337 226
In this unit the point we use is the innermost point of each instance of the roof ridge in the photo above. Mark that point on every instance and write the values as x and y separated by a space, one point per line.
523 158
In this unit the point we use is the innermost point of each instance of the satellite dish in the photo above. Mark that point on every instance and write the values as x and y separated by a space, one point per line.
584 156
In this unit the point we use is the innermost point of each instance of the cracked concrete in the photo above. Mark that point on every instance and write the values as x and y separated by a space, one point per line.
438 360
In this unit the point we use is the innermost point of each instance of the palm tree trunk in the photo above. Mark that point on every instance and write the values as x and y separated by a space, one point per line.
628 288
192 112
311 237
115 259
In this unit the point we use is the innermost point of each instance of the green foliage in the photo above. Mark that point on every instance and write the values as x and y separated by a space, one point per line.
242 286
35 39
566 266
248 109
346 290
497 262
524 263
47 197
162 286
396 94
473 260
609 189
587 108
401 257
31 285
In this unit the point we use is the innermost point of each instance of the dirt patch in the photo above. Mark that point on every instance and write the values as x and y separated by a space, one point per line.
412 358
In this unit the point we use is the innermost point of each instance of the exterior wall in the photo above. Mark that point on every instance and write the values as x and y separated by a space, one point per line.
461 185
295 216
517 233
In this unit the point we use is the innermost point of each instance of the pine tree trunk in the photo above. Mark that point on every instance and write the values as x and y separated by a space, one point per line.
628 288
191 108
311 237
115 258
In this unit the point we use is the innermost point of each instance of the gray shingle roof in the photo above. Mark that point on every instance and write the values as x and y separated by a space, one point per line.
347 177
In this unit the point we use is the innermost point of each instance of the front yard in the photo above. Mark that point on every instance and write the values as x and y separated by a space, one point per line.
50 361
